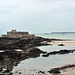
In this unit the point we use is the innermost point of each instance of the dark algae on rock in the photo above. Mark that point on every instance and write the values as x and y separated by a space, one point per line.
54 71
61 45
58 52
57 71
23 43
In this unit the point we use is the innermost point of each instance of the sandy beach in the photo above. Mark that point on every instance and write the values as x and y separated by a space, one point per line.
66 43
68 71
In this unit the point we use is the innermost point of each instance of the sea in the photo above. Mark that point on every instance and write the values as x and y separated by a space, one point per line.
33 65
57 36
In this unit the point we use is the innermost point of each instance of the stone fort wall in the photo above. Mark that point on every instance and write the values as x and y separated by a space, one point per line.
15 34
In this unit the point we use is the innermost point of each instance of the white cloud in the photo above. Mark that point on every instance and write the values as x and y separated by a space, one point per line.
37 12
37 6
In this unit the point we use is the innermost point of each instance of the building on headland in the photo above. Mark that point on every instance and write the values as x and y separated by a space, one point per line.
15 34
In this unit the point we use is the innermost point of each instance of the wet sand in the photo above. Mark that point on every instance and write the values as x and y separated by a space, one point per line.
68 71
66 43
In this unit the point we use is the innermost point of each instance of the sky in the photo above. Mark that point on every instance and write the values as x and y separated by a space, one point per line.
37 16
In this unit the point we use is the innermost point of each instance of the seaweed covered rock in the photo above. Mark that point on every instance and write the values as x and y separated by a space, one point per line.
58 52
61 45
23 43
54 71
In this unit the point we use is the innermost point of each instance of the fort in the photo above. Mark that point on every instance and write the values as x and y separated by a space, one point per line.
15 34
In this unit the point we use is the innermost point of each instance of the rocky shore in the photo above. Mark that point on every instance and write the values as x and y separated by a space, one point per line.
23 43
59 52
14 50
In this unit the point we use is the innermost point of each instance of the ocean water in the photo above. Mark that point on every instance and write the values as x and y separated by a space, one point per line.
33 65
57 36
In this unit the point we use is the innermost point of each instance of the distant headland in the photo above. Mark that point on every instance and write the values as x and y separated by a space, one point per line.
63 33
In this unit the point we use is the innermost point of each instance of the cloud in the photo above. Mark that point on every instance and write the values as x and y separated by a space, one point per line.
37 6
35 13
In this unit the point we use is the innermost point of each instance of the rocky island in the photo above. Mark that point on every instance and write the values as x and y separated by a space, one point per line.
17 46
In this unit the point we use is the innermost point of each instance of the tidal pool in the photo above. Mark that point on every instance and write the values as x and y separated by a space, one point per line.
45 63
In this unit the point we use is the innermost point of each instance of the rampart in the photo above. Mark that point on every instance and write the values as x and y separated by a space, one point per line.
15 34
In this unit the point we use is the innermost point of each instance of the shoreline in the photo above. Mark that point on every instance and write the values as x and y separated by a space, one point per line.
66 70
63 70
64 42
28 44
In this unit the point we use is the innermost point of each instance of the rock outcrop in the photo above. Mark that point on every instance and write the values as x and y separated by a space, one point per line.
58 52
12 43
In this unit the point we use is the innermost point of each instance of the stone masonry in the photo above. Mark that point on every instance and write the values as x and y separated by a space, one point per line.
15 34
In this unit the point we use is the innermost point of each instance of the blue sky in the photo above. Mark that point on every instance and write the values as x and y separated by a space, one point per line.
37 16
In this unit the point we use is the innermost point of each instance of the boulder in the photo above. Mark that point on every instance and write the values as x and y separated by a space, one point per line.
61 45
